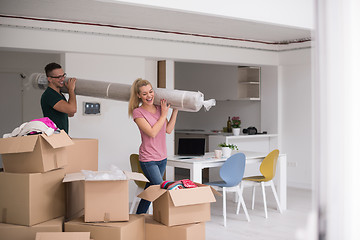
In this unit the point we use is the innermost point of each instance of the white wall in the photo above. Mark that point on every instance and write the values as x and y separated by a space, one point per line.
23 63
269 99
117 133
337 117
295 115
27 63
170 84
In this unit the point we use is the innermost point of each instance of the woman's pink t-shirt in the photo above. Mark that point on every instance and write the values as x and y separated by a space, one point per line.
151 148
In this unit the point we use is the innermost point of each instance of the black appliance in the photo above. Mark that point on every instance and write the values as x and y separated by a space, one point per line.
250 131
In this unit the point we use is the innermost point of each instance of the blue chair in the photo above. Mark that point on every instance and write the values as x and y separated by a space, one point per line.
231 173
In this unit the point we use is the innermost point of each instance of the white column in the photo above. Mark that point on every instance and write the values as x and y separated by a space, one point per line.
170 84
170 138
337 118
281 181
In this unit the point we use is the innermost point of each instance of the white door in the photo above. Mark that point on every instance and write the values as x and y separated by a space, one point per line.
10 103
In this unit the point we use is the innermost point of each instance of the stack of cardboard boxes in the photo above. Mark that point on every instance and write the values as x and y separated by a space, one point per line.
178 214
32 195
42 186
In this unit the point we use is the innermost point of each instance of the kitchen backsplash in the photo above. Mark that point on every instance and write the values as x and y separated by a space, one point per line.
216 118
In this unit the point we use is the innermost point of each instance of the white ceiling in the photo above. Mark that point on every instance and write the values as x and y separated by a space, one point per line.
123 14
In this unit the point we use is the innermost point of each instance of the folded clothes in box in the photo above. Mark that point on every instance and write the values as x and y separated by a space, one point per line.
180 206
34 153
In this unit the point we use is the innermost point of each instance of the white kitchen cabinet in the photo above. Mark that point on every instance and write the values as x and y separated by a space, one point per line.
249 83
220 82
245 85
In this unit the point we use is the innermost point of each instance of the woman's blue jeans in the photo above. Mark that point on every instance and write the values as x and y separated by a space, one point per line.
154 172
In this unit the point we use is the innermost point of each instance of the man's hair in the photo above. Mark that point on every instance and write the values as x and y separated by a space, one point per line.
50 67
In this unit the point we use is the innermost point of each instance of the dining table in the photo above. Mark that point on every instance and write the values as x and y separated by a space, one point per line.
197 163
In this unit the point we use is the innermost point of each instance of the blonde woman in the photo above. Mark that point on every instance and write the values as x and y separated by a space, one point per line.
153 125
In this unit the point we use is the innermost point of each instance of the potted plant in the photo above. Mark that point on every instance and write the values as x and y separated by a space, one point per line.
227 149
235 124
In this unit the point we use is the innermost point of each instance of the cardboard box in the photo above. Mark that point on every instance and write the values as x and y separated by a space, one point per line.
31 198
63 236
106 200
82 155
34 153
157 231
181 206
134 229
12 231
75 194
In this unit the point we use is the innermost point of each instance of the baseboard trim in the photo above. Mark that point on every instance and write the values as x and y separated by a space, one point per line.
306 186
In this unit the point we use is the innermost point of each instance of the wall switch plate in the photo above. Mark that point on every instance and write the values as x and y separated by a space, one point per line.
292 164
91 108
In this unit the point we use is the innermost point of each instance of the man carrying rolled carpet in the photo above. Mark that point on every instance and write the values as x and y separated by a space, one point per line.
53 103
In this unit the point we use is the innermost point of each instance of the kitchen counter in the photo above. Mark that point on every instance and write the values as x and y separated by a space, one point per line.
195 131
230 135
257 143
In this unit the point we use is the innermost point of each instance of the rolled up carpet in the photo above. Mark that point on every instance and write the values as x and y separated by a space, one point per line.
188 101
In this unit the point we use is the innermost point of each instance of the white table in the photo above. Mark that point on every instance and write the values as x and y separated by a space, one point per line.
196 164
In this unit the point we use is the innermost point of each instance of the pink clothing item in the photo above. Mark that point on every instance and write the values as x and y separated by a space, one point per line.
151 148
47 122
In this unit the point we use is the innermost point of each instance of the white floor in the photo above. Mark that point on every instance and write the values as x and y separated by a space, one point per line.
277 226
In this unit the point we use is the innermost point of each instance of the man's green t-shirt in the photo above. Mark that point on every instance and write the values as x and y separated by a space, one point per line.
48 99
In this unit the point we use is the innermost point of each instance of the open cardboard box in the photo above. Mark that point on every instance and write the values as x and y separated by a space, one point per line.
106 200
74 193
34 153
63 236
180 206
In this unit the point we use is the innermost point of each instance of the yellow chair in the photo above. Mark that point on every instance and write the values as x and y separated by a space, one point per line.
135 167
268 170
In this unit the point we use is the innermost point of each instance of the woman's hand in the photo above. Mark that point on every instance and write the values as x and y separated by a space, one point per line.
152 131
164 107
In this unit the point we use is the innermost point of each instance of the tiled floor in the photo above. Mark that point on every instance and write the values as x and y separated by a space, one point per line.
278 226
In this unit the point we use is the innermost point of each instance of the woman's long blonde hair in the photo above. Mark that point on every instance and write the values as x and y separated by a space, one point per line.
135 101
